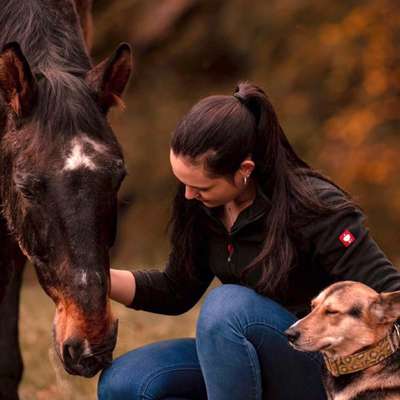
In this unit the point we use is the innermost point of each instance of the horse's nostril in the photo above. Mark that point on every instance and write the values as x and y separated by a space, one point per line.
72 350
292 335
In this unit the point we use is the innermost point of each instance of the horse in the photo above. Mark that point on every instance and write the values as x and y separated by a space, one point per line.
60 170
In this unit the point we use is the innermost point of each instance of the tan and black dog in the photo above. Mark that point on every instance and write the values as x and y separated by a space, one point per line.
354 328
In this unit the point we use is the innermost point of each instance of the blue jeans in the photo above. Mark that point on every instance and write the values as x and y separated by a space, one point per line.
239 353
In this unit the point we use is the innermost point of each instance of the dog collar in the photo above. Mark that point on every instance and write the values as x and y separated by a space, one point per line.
367 358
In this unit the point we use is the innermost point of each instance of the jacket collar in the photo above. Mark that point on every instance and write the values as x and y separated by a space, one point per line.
257 209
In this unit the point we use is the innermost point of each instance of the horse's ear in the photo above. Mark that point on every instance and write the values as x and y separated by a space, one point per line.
109 78
17 83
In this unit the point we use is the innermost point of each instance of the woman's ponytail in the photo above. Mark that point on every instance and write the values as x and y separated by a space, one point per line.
270 155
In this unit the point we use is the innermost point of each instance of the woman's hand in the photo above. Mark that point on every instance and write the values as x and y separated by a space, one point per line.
123 286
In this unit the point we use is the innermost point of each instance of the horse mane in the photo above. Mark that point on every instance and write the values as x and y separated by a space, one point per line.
66 106
48 32
51 38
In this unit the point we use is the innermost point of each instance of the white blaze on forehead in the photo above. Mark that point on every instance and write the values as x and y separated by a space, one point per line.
98 147
77 158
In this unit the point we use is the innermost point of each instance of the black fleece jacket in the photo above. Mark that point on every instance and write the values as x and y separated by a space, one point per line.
332 248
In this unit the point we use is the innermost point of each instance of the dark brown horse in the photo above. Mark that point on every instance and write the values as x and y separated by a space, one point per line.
60 170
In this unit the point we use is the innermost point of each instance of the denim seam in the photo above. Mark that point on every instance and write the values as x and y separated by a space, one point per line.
150 379
253 367
310 356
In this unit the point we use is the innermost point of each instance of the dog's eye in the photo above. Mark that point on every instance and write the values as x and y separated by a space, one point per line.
331 312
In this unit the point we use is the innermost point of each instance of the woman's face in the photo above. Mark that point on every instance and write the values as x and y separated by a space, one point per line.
211 191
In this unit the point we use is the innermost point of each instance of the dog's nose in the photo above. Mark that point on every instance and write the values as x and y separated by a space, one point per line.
292 335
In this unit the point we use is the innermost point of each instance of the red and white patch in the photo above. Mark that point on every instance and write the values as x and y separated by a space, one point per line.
347 238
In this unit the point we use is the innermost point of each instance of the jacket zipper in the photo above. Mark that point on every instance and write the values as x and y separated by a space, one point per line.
230 249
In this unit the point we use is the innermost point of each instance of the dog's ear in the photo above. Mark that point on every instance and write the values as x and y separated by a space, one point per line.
386 308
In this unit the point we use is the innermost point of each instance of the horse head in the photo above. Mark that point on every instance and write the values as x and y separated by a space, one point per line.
61 170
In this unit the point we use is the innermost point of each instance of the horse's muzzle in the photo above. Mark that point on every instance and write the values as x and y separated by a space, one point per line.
79 358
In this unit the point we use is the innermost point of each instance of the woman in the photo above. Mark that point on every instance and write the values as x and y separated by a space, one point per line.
274 231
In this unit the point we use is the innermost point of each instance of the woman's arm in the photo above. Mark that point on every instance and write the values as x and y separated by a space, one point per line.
172 291
344 247
123 286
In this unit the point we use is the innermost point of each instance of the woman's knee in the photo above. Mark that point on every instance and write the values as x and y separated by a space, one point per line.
236 307
123 379
111 385
222 310
150 371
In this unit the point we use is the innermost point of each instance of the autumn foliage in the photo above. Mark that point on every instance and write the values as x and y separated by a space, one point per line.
331 68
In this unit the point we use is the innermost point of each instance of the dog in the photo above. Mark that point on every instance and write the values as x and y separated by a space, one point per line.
355 329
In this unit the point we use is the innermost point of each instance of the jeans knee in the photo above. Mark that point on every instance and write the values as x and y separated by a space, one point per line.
235 307
110 386
150 371
117 382
221 308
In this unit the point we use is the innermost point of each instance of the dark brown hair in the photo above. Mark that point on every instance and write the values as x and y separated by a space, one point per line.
235 127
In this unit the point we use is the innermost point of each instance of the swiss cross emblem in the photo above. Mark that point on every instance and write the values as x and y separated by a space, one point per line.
347 238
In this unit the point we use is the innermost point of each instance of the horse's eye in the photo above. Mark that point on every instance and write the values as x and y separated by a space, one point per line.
26 192
30 187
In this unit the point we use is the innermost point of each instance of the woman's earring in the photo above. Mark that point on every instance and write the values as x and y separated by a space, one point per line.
245 180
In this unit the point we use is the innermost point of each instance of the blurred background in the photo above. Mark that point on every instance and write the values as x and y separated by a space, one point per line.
331 69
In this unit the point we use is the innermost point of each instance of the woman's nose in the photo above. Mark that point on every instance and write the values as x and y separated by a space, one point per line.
190 193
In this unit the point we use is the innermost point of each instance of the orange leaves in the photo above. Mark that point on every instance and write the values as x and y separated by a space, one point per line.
352 127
